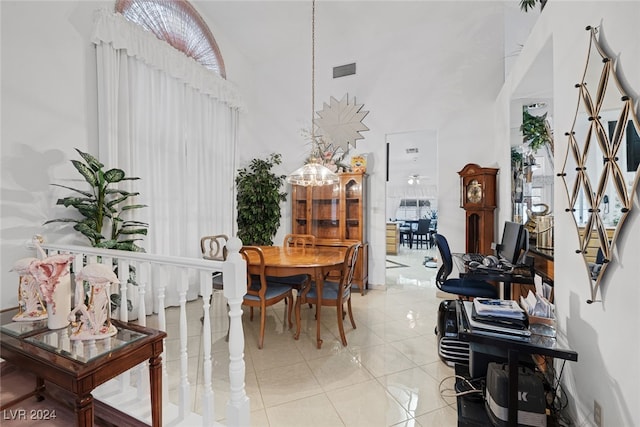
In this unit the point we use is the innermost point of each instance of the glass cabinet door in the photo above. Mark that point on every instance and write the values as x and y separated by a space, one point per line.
325 212
299 210
353 204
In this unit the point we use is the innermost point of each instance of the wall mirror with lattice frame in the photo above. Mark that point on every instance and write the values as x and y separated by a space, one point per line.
600 171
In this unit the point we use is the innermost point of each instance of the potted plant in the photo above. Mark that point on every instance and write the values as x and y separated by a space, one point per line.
525 5
535 131
259 198
102 207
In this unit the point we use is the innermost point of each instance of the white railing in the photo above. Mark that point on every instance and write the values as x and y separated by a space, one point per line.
150 275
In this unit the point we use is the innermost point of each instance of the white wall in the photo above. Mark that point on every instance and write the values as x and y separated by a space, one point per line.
48 108
606 334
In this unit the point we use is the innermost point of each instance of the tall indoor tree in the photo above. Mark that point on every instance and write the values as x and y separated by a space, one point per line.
259 198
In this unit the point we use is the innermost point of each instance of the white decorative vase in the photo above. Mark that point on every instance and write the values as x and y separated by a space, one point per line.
59 310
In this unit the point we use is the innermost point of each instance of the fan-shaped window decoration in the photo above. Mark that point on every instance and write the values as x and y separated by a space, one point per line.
180 25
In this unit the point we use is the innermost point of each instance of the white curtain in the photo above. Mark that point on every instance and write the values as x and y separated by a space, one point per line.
173 123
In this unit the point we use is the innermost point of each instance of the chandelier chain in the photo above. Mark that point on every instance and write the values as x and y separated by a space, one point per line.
313 68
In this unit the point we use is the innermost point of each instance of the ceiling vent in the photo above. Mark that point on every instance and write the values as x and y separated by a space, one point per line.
344 70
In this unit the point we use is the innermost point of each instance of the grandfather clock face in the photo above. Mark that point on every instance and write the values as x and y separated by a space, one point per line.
478 188
474 192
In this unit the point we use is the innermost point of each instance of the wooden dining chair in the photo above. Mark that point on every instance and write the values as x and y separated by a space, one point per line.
298 281
334 294
214 248
262 293
299 240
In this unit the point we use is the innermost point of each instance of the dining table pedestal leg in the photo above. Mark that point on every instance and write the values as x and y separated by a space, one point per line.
319 285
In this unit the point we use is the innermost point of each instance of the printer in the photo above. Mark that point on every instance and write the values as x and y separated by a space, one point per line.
531 397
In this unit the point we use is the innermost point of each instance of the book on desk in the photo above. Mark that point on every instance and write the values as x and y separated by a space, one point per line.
498 318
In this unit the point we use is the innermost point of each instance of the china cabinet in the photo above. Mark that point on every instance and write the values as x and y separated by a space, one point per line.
335 214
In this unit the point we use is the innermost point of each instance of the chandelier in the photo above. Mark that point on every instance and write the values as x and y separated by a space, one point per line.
313 173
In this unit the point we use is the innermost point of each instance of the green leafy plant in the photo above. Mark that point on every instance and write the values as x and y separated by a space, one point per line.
535 132
516 157
525 5
102 207
259 199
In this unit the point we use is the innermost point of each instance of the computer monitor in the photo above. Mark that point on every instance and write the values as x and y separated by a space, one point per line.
512 242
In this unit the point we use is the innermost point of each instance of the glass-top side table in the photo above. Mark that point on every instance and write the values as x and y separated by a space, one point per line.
59 340
78 365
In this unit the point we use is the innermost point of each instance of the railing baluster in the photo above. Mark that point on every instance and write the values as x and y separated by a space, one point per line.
123 276
142 277
184 356
159 278
234 275
208 407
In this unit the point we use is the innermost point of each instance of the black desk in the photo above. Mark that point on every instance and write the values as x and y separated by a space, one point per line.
519 274
535 345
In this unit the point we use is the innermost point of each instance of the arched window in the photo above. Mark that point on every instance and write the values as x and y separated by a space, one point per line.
180 25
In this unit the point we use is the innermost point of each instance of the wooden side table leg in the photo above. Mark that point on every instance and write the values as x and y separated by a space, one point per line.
155 379
39 389
84 410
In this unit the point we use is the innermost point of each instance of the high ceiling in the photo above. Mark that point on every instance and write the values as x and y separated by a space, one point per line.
262 28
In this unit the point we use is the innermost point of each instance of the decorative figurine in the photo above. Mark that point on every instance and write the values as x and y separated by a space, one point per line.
30 305
91 317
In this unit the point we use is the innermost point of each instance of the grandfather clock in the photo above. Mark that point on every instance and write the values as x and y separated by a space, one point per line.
478 199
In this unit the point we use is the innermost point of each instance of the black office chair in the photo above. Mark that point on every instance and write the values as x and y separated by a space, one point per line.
421 234
459 286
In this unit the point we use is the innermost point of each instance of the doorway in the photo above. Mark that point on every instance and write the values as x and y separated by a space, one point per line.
411 195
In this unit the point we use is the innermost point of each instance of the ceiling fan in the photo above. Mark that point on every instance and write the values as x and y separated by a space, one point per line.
415 179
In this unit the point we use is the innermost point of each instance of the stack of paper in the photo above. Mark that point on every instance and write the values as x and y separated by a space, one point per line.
497 307
496 326
505 313
542 317
536 305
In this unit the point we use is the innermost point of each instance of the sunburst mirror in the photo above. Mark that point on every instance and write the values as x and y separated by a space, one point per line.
341 121
600 172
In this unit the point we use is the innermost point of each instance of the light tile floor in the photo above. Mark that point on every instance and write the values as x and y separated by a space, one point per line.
388 375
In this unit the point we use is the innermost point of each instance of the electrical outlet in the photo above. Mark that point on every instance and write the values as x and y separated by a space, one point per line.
597 414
